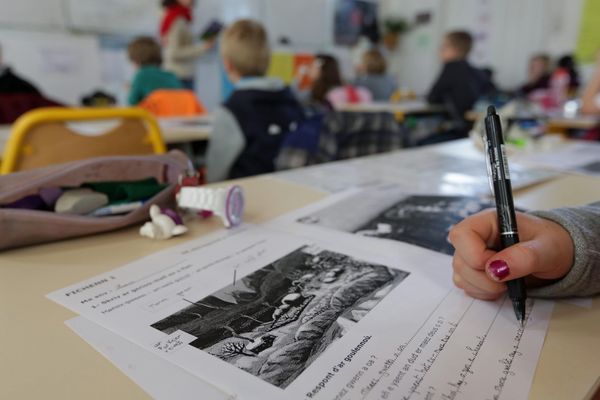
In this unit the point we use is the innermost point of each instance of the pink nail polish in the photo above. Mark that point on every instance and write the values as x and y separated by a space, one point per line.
499 269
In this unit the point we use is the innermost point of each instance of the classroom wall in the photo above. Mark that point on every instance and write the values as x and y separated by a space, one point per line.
63 66
126 17
64 28
32 14
511 31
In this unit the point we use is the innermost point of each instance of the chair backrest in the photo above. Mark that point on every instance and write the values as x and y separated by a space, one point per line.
173 103
301 145
56 135
357 134
13 105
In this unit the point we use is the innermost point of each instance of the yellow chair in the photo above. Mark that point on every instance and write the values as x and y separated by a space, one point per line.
48 136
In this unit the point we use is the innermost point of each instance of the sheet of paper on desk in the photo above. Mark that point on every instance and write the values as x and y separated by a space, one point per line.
413 171
582 157
388 212
267 314
144 367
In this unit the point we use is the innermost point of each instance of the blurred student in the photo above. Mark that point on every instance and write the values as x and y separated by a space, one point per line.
459 85
590 100
328 88
252 123
11 83
564 81
566 69
145 54
538 76
180 49
373 76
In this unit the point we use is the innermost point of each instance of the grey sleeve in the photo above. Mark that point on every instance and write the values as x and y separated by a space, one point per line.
583 224
226 143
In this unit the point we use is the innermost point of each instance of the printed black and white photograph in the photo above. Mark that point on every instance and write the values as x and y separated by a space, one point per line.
274 322
387 213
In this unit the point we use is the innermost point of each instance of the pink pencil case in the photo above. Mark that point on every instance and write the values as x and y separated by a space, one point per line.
28 227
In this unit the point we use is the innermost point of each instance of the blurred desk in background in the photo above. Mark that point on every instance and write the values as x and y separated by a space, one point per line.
186 129
580 122
554 124
400 109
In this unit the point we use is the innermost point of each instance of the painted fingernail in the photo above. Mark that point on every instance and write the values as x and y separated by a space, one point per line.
498 269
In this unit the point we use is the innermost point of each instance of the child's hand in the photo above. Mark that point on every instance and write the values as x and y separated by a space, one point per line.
545 252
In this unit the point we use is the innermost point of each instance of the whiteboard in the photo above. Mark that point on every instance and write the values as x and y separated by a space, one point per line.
304 23
226 11
63 66
35 14
126 17
137 17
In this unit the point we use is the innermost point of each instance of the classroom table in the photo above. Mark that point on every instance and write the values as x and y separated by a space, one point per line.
186 129
400 109
42 358
564 124
555 124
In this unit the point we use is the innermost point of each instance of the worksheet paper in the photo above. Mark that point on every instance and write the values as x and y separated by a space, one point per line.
414 171
580 157
262 314
387 212
143 366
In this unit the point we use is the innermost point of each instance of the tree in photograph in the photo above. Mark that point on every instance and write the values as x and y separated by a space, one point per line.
232 349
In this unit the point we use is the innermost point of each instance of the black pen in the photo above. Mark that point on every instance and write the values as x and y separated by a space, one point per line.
507 220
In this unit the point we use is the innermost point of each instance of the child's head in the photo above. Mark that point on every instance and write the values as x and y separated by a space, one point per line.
145 51
567 62
326 75
245 50
374 63
456 46
539 65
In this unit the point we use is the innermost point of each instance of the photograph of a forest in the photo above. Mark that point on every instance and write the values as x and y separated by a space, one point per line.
274 322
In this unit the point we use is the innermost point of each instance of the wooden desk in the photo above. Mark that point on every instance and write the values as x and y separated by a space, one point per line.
186 129
400 109
564 124
554 124
42 358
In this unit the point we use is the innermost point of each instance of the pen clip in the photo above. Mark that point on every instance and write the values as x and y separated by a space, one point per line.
488 166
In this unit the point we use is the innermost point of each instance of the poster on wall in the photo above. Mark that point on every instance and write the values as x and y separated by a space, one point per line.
588 43
353 19
481 34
